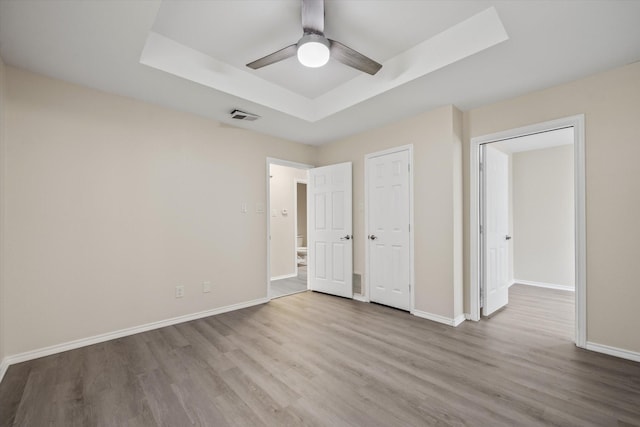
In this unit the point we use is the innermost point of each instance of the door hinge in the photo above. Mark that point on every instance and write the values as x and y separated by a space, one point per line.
408 167
480 228
409 287
409 228
481 167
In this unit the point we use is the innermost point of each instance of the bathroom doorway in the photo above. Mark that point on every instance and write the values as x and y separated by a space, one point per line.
301 228
287 229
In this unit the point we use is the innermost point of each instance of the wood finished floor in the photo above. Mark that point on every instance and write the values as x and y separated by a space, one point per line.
313 359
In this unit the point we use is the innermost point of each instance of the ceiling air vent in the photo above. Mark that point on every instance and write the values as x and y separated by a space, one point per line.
241 115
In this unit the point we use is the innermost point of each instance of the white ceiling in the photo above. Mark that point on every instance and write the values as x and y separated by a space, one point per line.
206 44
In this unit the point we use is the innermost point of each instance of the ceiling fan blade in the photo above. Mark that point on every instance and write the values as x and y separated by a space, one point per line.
274 57
313 16
354 59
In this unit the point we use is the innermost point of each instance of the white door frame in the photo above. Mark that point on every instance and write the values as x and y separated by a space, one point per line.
365 279
274 161
297 181
577 122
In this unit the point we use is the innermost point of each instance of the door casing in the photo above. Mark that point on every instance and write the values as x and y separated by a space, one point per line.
365 282
577 122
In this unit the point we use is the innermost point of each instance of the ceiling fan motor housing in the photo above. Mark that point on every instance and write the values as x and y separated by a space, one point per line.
313 50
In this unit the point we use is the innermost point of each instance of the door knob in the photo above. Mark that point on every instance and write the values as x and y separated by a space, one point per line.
372 237
507 237
347 237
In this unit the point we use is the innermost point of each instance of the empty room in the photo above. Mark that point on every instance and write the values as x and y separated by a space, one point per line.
319 212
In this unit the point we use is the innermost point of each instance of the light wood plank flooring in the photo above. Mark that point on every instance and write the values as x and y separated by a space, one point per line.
313 359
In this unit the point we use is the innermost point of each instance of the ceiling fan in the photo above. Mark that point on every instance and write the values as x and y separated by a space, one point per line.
314 49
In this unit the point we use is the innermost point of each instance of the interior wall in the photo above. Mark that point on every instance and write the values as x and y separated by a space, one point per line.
543 203
112 203
2 224
302 212
610 102
436 150
283 226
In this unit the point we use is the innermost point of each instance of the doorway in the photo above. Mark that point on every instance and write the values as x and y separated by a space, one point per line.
329 233
300 206
286 187
492 220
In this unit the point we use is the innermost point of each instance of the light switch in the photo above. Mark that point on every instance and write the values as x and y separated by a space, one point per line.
274 212
243 207
259 208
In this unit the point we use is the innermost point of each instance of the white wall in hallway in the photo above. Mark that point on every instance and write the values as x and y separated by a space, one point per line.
543 199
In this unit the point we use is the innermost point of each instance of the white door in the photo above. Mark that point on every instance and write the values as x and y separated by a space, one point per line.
496 229
388 208
330 237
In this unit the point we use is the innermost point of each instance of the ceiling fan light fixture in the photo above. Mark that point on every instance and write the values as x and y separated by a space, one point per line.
313 50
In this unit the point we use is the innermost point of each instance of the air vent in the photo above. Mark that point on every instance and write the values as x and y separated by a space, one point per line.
241 115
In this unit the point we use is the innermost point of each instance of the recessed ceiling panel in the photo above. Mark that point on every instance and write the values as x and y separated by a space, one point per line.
287 86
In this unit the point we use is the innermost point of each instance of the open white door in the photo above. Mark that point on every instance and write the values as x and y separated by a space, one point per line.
329 230
388 211
496 229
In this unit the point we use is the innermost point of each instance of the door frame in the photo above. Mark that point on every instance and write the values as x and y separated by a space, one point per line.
365 296
273 161
297 181
577 122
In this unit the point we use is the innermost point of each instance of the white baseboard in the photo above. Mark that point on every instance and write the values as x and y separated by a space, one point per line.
285 276
544 285
459 319
467 316
440 319
4 365
71 345
360 297
613 351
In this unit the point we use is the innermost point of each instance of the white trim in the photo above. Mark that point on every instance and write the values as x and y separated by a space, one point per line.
459 319
4 365
577 122
613 351
71 345
544 285
440 319
365 277
273 161
360 297
467 316
285 276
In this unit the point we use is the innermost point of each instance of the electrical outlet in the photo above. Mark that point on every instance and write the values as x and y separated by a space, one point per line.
179 291
206 287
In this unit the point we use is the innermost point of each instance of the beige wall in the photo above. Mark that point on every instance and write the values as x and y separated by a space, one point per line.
2 172
302 212
283 227
111 203
436 143
543 199
610 102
